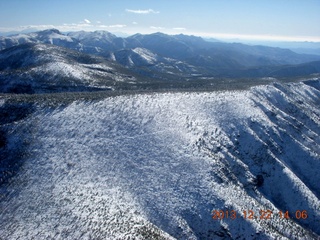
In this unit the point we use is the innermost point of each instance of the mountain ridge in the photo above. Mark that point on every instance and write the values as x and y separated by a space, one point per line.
106 41
36 68
161 165
156 58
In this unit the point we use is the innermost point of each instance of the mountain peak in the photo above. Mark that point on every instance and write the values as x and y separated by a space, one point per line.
50 31
189 37
99 35
103 32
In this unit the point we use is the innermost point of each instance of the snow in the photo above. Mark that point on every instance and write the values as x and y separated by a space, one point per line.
52 66
48 36
82 72
146 54
160 163
52 37
96 35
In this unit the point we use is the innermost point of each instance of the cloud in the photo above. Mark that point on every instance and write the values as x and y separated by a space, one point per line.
40 27
87 21
134 23
103 26
156 28
179 28
67 27
117 26
233 37
148 11
75 26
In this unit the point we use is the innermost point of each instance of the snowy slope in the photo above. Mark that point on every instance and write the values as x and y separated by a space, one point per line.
49 68
147 55
154 166
136 57
147 63
102 40
49 36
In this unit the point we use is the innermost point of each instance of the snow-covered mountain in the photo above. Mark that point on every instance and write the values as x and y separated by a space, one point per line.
147 63
136 57
36 68
98 42
159 166
50 36
187 48
217 59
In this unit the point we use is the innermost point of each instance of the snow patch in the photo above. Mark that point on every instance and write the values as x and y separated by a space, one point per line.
146 54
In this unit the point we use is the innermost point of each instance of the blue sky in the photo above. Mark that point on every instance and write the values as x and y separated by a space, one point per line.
247 19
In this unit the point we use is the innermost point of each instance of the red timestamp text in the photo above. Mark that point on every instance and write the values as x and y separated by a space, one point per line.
261 214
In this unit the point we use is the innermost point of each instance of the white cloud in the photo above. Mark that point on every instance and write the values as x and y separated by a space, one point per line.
103 26
148 11
99 22
75 26
156 28
67 27
87 21
228 36
40 27
117 26
134 23
179 28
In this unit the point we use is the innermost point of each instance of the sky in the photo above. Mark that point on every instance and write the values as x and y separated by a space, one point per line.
287 20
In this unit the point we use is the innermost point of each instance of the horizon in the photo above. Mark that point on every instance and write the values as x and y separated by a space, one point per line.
222 37
292 21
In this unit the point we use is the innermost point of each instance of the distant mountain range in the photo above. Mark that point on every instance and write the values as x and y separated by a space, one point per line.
53 61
